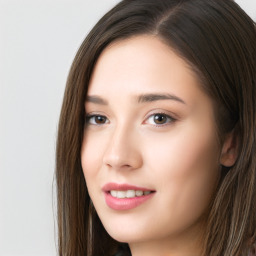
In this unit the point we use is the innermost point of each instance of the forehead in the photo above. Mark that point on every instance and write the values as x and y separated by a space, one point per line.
139 60
139 65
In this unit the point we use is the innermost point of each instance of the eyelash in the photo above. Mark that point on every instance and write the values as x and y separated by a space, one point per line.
168 119
89 117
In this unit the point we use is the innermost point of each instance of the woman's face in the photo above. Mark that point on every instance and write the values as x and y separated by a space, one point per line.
150 152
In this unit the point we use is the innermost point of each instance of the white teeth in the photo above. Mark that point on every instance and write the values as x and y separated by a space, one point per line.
128 193
139 193
121 194
113 193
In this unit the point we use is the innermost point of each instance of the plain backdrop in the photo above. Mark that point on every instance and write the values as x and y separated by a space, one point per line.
38 40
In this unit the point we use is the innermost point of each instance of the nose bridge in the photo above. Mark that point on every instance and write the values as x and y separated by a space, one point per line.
123 151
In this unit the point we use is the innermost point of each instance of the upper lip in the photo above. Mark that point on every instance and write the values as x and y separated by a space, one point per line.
116 186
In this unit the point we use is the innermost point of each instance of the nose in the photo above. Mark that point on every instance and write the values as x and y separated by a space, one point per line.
123 150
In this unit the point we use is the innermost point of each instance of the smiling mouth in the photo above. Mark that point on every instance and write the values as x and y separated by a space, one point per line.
128 193
125 196
121 200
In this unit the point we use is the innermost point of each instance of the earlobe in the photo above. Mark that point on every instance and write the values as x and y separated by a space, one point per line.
229 151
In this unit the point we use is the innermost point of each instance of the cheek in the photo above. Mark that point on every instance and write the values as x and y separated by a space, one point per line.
185 167
91 157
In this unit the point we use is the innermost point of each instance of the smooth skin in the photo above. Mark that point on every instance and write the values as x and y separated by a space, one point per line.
149 124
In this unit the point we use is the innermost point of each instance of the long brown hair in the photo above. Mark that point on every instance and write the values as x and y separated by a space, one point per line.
218 40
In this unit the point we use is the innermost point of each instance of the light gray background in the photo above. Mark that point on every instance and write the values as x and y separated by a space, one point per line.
38 40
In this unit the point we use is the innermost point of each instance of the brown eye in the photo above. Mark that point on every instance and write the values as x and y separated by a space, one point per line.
100 119
96 120
160 118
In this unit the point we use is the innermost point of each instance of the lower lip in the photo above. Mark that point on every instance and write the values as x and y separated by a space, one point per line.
125 203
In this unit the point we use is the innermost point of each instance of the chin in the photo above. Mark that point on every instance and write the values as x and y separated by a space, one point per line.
125 235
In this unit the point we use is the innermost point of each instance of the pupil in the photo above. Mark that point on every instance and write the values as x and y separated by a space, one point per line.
159 119
100 119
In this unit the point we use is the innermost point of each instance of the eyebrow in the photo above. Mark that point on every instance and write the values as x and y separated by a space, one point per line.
96 100
155 97
151 97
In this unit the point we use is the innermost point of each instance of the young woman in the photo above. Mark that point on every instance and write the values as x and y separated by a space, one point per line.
156 143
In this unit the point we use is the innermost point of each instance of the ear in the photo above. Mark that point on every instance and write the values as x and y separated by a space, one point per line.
229 151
